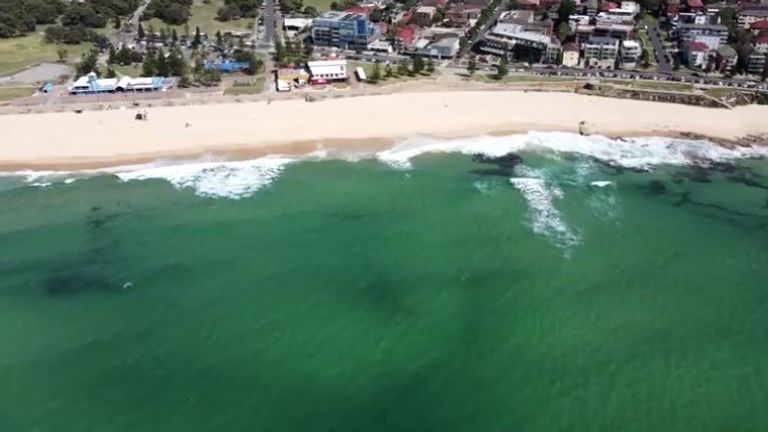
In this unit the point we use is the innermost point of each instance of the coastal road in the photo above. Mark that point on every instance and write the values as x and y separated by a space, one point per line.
270 18
658 47
491 21
125 36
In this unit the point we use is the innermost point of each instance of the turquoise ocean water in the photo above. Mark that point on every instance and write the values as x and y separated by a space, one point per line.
425 293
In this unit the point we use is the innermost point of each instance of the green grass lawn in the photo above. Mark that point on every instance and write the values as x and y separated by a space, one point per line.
321 5
511 79
649 19
256 86
19 53
132 71
204 16
654 85
368 68
719 92
10 93
643 36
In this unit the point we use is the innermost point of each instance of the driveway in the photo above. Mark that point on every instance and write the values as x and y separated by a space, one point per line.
658 47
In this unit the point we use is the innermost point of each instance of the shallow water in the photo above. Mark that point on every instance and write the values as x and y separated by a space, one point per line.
427 293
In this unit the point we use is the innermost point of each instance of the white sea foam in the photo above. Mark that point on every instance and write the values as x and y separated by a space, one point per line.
486 187
213 177
232 180
544 218
643 153
601 183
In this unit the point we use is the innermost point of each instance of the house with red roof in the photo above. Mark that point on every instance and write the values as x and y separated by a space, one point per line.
672 11
696 54
606 6
758 26
761 44
695 5
405 36
529 4
359 10
435 3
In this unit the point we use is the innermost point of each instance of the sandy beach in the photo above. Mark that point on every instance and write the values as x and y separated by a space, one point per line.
237 130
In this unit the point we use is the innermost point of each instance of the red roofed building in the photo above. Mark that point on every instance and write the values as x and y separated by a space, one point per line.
761 44
606 6
672 11
359 10
695 5
405 37
435 3
758 26
696 54
529 4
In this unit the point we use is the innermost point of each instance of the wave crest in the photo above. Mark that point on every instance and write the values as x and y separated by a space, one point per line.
641 153
233 180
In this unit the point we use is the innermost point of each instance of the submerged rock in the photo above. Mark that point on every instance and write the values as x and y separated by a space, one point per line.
509 160
495 172
657 187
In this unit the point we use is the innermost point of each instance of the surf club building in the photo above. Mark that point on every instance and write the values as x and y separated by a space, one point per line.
91 84
327 71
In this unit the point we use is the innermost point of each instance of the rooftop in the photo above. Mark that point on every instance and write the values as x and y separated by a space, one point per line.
358 10
339 16
627 28
516 30
570 46
718 27
759 25
630 44
696 46
761 40
753 11
603 40
726 51
426 9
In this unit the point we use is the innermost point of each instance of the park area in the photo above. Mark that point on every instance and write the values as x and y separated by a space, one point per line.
320 5
203 15
20 53
10 93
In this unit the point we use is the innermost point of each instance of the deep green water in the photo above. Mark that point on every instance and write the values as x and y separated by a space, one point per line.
358 297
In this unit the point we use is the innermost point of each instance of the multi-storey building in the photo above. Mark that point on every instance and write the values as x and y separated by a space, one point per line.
342 30
601 52
514 41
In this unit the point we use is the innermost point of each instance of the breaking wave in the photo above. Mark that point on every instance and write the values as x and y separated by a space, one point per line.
233 180
544 218
641 153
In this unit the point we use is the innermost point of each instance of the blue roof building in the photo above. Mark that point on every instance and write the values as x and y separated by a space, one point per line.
227 66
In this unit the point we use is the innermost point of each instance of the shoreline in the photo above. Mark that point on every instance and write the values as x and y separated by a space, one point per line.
338 147
239 131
